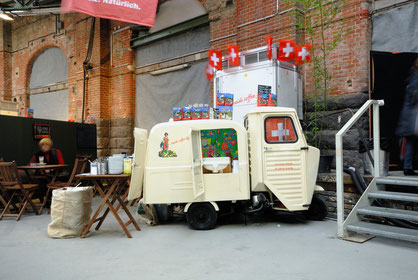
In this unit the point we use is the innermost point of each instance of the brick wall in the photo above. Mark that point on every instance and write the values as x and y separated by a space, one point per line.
246 22
110 88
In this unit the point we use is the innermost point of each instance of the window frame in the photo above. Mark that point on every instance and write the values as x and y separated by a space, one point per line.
293 126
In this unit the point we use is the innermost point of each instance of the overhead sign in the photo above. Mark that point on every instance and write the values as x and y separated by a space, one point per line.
140 12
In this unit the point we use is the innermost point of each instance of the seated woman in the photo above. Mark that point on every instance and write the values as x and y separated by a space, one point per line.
47 154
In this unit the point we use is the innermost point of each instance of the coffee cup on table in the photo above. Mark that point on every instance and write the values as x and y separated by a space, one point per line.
41 159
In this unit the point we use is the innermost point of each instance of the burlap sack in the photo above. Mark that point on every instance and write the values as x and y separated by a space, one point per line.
70 211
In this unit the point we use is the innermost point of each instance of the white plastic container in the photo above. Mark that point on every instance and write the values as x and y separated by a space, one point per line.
115 164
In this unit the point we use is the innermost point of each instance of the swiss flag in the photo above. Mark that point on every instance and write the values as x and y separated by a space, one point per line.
209 71
286 50
303 54
269 42
215 59
233 52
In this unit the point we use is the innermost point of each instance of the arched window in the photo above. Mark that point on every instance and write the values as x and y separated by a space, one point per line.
48 85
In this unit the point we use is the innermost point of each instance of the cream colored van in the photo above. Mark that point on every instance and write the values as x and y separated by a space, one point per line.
202 168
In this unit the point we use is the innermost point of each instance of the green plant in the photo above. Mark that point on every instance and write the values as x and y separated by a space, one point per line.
317 19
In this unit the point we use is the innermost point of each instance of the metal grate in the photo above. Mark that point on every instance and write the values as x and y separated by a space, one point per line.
262 56
225 64
251 58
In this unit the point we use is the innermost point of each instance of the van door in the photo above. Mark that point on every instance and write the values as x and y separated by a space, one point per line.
197 171
284 161
138 166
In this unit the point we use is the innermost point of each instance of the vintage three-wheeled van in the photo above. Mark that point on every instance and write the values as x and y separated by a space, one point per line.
207 167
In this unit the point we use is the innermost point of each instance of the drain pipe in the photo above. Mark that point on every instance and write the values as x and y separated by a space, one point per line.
87 66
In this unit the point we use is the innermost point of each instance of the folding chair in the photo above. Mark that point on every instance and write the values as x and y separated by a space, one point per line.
80 165
22 193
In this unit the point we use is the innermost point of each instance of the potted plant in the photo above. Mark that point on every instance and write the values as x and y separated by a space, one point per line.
315 18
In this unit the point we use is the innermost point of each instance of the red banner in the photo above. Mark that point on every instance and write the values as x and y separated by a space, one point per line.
286 50
303 54
140 12
269 42
233 52
210 71
215 59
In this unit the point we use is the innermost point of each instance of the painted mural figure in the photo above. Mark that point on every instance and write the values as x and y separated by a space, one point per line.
165 152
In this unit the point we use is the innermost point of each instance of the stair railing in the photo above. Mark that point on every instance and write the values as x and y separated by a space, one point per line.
339 155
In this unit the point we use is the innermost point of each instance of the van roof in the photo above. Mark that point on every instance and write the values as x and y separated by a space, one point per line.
201 124
267 109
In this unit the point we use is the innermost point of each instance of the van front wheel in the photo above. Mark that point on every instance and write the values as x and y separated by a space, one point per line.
318 209
201 216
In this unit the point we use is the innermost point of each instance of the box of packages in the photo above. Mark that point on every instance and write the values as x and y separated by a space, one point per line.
263 99
186 113
272 100
196 113
229 99
177 114
220 99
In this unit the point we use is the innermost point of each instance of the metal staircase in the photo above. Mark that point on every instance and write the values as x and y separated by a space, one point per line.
377 204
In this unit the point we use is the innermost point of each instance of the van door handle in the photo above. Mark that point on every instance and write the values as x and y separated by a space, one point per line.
304 148
267 148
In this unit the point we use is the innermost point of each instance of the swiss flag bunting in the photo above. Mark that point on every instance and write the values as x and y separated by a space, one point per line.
215 59
286 50
303 54
233 52
209 70
269 42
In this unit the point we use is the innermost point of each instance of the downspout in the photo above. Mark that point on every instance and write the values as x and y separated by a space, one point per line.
87 66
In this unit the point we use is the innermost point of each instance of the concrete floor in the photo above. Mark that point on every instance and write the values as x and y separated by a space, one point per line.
270 247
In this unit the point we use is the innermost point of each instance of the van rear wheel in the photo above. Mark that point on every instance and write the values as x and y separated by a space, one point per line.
318 209
201 216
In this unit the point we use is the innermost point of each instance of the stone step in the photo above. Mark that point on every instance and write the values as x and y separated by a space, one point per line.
400 181
410 197
389 213
384 231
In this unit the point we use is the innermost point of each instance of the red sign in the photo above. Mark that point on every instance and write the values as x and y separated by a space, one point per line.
215 59
233 52
286 50
140 12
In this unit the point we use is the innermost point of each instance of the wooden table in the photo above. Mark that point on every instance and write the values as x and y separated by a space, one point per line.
42 169
117 184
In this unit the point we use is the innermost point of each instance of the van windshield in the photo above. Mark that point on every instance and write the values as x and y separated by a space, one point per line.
279 130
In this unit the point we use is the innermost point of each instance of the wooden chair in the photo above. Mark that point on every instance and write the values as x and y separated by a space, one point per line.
80 165
2 193
22 193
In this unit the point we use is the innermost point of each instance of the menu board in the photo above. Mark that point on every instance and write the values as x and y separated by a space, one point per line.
41 131
264 89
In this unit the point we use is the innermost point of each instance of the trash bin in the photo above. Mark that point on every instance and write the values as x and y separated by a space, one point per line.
385 146
70 211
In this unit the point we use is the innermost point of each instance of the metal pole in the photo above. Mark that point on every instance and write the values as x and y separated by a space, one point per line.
340 184
376 139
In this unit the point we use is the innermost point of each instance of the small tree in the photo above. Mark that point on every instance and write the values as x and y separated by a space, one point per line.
314 18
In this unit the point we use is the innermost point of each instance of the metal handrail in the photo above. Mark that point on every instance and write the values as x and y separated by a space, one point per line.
339 155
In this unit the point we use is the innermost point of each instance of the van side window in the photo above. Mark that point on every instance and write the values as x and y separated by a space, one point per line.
219 143
279 130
